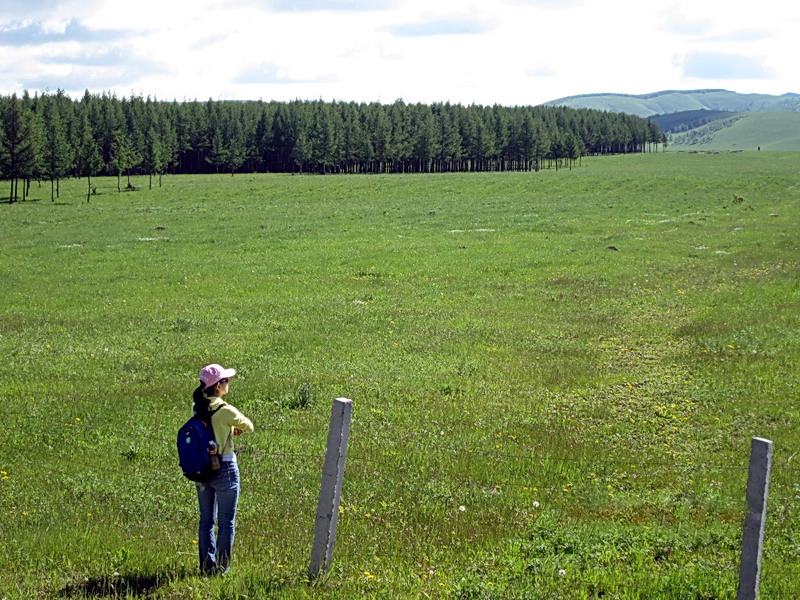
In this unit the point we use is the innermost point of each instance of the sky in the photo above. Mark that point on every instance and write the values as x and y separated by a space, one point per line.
508 52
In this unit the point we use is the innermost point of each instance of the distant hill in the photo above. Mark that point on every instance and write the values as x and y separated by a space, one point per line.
689 119
743 131
673 101
708 119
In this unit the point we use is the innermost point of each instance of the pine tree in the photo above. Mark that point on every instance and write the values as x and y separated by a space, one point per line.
572 148
57 152
89 162
216 151
399 150
263 138
541 145
4 158
501 129
19 144
426 139
379 129
153 159
124 157
168 138
301 153
450 146
482 146
235 148
33 164
323 137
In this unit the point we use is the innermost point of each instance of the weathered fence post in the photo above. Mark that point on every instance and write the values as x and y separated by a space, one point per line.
755 520
331 489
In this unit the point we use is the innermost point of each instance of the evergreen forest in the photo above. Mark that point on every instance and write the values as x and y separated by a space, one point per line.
51 136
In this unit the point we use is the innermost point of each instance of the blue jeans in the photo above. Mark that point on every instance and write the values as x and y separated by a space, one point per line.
218 499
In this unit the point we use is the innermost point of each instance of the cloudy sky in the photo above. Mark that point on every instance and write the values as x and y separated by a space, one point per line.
483 51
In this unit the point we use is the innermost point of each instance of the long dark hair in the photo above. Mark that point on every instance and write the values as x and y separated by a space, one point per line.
201 401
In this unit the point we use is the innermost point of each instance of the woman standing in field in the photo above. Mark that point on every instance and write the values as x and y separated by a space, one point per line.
218 498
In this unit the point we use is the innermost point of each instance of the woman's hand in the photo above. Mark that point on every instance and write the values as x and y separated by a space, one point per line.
237 431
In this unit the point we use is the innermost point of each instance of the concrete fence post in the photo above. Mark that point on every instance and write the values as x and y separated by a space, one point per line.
755 519
331 488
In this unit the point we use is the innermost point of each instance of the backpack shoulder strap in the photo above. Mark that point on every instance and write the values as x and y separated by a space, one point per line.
211 413
212 427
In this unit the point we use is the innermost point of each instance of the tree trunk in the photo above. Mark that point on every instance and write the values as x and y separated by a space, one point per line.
52 190
89 189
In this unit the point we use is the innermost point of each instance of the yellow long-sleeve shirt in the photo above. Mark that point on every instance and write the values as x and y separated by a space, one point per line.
224 421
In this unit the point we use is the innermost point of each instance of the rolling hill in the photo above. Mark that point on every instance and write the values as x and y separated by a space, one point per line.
710 119
688 119
673 101
743 131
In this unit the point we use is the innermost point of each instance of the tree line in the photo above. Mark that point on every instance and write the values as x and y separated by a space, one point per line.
51 136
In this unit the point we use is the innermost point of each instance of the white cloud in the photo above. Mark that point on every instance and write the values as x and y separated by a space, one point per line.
266 73
439 27
484 51
721 65
328 5
43 32
745 35
677 22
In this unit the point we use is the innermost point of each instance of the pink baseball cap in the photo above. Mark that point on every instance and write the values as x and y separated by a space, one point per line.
211 374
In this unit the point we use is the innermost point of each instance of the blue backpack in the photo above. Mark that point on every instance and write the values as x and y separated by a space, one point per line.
195 444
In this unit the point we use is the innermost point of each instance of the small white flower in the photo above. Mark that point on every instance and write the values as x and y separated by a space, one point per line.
562 572
462 508
535 504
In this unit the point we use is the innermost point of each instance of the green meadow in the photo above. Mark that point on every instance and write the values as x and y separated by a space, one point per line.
555 378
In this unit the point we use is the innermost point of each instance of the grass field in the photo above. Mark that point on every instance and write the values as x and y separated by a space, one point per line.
555 376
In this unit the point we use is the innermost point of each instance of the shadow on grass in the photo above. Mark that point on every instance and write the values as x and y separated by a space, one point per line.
120 586
146 585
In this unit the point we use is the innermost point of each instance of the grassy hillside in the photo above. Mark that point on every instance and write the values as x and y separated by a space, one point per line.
685 120
672 101
556 377
778 131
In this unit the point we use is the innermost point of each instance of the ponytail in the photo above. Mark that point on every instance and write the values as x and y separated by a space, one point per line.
201 402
